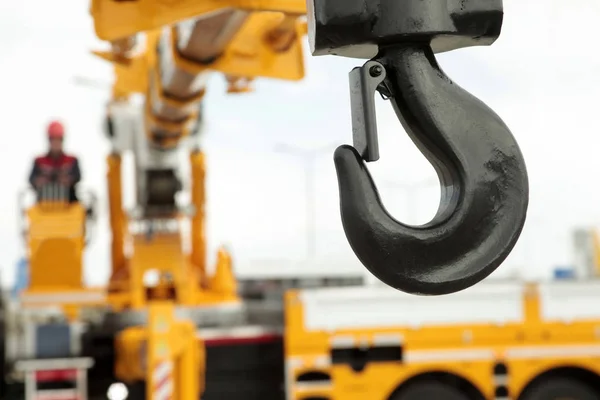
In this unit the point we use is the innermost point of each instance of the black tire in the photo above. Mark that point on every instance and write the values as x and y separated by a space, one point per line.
560 388
137 391
429 389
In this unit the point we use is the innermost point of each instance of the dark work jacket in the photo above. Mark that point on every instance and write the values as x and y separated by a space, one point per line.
53 167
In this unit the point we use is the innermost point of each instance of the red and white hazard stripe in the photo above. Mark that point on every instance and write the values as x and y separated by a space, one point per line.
162 378
56 375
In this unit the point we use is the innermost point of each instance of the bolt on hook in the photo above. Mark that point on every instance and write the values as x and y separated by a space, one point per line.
482 172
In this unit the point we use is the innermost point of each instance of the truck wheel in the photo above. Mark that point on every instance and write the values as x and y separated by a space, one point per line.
560 388
429 389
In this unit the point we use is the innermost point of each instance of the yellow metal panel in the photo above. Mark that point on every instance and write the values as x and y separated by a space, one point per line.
164 349
250 54
131 354
115 20
165 254
223 281
198 239
190 362
56 240
163 251
117 217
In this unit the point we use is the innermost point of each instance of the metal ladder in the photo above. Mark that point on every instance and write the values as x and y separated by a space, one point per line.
55 370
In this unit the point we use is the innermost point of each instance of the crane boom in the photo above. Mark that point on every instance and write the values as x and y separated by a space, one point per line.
167 57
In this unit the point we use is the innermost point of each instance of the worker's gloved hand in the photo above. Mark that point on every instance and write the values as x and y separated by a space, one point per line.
40 181
64 180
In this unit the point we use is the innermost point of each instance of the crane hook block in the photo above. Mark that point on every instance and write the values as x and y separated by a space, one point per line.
482 173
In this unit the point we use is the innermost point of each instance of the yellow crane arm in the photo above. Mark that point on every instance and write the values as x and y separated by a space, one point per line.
115 20
184 42
240 39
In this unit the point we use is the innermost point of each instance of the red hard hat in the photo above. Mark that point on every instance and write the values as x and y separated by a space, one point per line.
56 130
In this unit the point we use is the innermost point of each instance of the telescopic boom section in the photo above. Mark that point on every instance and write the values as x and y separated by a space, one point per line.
176 92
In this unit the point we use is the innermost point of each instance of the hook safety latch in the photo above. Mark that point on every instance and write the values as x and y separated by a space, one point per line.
364 82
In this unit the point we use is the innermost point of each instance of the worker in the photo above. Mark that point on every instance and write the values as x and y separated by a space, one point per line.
56 169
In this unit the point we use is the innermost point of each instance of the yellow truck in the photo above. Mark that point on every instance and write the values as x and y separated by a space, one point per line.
495 341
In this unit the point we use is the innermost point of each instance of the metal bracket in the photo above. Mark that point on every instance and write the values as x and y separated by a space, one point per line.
364 82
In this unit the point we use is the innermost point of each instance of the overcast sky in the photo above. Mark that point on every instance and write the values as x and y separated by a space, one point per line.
541 76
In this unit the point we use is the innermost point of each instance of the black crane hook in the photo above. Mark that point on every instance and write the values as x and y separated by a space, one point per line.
481 169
